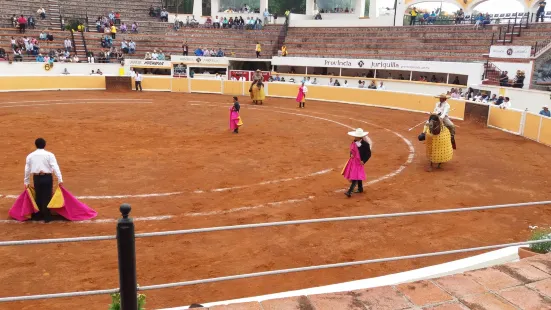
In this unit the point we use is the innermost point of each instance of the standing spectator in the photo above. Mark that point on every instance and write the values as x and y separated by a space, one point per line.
185 48
68 44
117 18
113 32
42 13
541 11
266 16
22 23
545 111
98 25
381 86
112 17
504 79
138 81
30 22
258 49
413 14
132 47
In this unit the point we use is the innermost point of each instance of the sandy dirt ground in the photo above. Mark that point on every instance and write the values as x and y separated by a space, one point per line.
284 164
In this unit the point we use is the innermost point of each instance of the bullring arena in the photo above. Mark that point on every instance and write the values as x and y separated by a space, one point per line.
171 156
259 220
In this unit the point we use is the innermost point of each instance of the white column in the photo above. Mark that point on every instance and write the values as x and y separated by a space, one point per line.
400 10
197 9
214 7
263 5
359 9
373 9
310 7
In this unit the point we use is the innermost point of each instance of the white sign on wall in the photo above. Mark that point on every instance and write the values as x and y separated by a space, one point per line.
148 63
505 51
404 65
198 60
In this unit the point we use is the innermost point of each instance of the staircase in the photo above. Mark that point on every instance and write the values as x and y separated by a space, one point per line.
53 14
491 74
79 45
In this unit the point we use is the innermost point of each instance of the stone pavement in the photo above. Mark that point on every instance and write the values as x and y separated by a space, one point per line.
522 285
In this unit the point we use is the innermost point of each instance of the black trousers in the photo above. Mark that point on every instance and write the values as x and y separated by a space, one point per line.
138 84
43 186
358 183
539 14
22 28
185 53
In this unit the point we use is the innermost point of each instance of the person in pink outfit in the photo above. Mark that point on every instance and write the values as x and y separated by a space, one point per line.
301 97
360 152
235 119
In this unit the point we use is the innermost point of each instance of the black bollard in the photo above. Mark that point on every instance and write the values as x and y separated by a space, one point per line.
127 260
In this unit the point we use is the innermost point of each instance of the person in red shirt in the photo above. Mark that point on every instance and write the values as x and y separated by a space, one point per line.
22 24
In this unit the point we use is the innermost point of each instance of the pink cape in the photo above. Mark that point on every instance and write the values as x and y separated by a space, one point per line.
354 170
72 209
234 119
300 96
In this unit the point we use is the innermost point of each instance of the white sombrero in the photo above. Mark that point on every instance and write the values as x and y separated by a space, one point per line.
358 133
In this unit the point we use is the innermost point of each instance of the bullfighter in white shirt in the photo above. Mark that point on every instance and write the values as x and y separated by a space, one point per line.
442 109
40 164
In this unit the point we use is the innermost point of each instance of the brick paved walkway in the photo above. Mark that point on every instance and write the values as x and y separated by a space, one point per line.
522 285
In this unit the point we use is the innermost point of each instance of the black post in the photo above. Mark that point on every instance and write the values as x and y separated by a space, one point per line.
127 260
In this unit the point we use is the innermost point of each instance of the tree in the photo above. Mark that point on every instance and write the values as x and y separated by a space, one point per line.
280 6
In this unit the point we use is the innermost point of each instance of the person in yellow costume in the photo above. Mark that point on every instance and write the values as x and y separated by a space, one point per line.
438 142
257 92
284 51
258 49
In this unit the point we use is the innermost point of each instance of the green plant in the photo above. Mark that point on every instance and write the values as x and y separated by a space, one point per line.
541 234
116 302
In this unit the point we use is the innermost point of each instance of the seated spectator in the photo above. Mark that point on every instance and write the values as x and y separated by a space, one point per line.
206 52
164 15
284 50
208 22
123 28
230 23
459 16
42 13
151 11
381 86
124 47
433 79
220 53
432 18
132 47
13 43
506 104
545 111
518 82
241 22
39 58
154 55
98 72
147 56
504 78
193 22
401 77
90 57
98 25
372 85
250 23
161 55
111 16
75 59
134 27
198 52
258 24
360 84
479 21
2 53
487 20
456 80
225 23
336 83
81 27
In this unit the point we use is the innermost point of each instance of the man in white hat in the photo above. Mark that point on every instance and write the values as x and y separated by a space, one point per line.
442 109
545 111
360 152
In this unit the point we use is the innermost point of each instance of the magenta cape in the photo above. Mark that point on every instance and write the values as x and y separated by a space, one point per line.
354 170
234 119
300 96
72 209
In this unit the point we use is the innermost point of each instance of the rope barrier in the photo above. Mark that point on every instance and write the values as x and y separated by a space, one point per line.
268 273
273 224
58 295
328 266
335 219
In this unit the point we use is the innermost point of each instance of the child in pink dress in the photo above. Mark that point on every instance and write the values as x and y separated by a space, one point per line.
360 152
